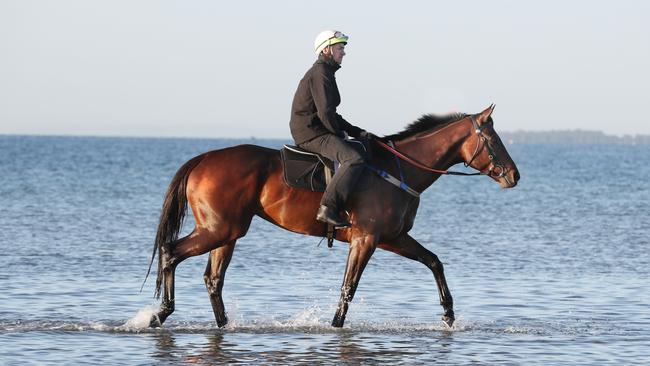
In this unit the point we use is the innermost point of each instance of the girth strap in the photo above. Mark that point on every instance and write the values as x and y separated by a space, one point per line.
394 181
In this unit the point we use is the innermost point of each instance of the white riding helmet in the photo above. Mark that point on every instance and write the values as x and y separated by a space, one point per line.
328 38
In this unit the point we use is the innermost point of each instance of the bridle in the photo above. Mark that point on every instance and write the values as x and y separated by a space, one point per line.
497 169
482 143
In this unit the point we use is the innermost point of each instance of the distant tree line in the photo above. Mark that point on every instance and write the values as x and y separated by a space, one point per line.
571 137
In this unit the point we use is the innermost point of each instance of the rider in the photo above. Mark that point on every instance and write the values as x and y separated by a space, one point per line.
316 127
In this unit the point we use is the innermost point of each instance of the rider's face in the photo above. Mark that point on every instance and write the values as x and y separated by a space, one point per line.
338 51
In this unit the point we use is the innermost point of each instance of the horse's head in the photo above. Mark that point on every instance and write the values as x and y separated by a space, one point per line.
485 152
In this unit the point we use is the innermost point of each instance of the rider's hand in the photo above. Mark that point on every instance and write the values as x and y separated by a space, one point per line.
368 135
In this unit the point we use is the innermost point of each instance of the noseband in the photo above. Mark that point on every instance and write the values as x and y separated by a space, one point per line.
497 169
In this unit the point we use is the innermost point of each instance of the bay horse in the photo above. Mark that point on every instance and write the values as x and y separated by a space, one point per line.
226 188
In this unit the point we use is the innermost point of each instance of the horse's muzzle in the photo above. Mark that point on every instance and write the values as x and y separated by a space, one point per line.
508 178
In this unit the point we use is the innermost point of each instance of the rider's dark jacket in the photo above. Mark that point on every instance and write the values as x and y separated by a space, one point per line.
313 111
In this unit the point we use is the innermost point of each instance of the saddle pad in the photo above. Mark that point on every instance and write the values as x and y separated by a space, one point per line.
303 169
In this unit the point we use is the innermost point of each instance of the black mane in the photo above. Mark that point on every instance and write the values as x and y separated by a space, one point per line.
425 123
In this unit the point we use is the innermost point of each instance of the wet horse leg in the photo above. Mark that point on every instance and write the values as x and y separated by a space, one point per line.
167 303
215 273
361 249
408 247
197 243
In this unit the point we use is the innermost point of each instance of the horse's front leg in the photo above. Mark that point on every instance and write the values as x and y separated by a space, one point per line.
408 247
361 249
214 276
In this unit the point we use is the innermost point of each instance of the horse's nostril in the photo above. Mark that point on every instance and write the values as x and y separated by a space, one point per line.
516 175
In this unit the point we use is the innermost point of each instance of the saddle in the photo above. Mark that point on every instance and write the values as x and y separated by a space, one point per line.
307 170
304 169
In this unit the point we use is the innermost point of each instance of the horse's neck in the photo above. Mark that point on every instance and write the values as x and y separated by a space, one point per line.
439 150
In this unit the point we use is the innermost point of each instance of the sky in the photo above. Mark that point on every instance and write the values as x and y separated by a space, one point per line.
198 68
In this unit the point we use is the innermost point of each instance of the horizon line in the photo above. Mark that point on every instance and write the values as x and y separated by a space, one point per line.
135 136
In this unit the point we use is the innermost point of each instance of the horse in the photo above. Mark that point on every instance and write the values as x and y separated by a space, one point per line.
225 188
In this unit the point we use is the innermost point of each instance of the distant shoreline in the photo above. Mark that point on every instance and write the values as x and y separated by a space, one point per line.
516 137
571 137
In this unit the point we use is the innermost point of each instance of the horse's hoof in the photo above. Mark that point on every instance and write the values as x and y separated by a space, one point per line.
449 318
222 322
338 322
155 322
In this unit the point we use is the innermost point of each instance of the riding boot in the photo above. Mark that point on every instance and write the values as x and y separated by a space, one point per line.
331 216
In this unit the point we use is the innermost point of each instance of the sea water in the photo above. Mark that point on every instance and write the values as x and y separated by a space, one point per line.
554 271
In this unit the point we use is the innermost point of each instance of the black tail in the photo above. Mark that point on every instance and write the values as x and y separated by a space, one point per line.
171 216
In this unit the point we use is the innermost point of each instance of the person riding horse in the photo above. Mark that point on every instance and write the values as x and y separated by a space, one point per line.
316 127
226 188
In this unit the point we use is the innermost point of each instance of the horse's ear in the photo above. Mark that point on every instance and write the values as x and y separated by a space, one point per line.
483 116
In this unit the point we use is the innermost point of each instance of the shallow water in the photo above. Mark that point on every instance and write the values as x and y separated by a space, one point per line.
554 271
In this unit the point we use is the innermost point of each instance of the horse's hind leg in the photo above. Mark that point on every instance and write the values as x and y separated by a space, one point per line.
197 243
408 247
168 264
215 273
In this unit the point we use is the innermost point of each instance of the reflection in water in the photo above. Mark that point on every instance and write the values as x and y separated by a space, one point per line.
444 349
295 347
348 349
480 343
165 347
399 347
210 348
217 350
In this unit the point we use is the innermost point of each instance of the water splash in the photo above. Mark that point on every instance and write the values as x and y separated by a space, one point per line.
311 320
141 319
308 321
309 317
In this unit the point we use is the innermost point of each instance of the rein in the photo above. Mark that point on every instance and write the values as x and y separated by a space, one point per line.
481 144
401 183
420 165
